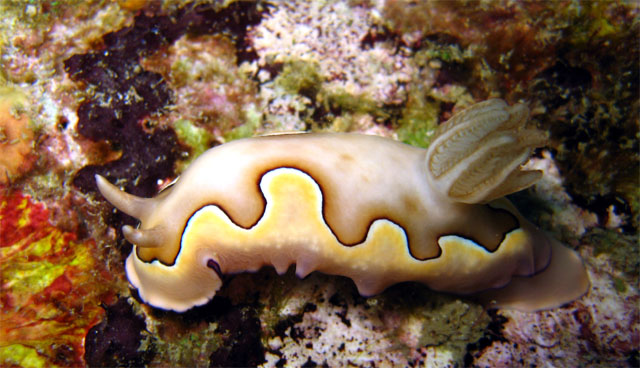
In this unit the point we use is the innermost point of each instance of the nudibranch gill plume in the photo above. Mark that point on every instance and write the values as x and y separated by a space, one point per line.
370 208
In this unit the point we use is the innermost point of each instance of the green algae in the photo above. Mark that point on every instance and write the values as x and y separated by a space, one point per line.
592 22
340 108
453 324
300 76
621 248
22 356
253 121
619 284
341 100
445 52
280 295
36 13
329 105
194 137
219 70
419 119
189 348
445 322
35 277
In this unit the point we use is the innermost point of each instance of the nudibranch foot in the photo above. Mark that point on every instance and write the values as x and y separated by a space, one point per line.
369 208
562 281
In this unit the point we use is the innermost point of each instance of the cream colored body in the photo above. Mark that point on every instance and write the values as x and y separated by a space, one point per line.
359 206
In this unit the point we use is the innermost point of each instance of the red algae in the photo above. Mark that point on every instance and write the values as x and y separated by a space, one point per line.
52 287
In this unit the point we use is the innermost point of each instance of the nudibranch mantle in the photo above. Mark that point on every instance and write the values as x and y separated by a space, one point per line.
366 207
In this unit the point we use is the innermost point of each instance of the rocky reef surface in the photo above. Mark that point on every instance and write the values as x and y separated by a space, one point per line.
136 89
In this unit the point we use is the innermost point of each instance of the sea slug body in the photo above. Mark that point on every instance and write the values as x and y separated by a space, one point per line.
366 207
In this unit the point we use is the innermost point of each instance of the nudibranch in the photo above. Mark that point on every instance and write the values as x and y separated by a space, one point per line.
370 208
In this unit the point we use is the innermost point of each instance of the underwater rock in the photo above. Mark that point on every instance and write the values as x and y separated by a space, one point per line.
116 340
124 94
